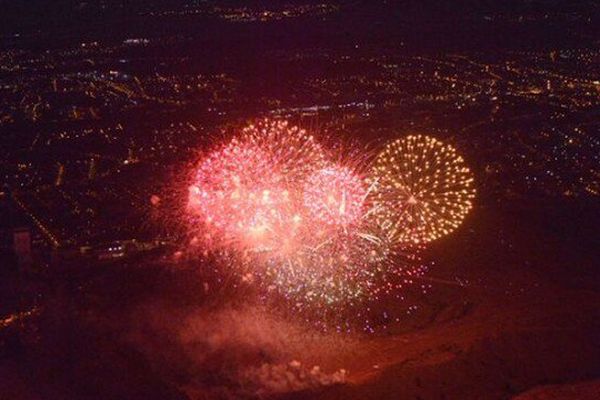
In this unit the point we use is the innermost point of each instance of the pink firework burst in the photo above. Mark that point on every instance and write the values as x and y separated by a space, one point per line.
335 196
245 195
239 197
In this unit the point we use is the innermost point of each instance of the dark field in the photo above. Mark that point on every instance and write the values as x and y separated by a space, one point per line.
143 329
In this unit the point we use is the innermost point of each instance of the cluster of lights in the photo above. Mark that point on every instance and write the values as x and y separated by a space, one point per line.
11 319
274 204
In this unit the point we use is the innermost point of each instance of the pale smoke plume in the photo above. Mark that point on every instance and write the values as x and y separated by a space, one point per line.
244 352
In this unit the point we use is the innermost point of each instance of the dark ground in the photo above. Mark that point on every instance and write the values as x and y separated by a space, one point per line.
147 331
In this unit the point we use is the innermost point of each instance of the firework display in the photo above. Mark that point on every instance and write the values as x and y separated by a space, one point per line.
422 189
317 231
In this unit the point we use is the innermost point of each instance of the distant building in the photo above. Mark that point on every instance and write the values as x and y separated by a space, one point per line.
22 246
92 169
9 219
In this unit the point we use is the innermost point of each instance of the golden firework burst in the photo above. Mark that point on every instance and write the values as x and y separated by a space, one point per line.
421 189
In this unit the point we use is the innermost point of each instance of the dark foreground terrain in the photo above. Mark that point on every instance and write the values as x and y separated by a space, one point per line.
493 326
